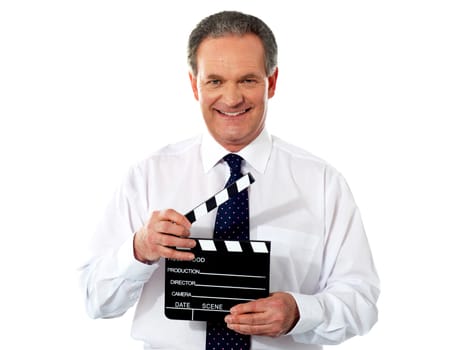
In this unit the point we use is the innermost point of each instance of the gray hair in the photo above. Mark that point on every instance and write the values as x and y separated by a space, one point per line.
236 23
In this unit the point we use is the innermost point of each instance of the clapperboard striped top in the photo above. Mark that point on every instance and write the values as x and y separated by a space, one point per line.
220 197
213 245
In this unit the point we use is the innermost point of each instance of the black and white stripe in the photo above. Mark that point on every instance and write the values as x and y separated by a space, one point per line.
228 246
220 197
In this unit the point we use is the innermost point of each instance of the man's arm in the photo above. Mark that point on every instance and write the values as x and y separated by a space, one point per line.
122 262
345 304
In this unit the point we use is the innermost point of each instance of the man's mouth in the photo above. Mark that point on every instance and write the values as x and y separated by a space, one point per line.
233 114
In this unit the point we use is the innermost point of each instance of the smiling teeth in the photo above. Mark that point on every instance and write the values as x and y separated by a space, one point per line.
233 114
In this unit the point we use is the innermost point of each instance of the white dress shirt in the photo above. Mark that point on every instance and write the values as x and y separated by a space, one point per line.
319 251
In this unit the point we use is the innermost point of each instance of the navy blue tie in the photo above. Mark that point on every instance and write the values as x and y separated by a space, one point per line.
232 222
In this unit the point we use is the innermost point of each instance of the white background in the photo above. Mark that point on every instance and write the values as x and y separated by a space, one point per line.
380 89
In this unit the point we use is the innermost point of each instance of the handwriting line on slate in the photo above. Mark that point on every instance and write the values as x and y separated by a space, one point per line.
230 275
195 309
224 298
231 287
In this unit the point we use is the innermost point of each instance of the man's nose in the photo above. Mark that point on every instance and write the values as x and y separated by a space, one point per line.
232 95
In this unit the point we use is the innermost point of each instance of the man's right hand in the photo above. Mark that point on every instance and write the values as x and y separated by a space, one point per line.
165 230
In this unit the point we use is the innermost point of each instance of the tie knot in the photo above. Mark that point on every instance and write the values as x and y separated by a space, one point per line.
234 161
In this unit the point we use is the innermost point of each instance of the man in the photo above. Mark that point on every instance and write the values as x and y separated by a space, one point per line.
323 284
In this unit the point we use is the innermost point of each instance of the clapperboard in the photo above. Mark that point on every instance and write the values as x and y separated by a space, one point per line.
223 274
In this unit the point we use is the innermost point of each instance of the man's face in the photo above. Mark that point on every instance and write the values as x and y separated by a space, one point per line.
232 88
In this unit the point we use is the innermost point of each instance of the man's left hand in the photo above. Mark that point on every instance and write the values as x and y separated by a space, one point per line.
272 316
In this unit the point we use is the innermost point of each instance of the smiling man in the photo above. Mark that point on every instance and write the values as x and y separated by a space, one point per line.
233 87
323 283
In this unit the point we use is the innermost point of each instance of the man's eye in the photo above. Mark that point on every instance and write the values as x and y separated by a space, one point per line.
249 81
214 82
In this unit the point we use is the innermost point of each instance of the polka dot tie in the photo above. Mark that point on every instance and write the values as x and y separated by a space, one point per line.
232 222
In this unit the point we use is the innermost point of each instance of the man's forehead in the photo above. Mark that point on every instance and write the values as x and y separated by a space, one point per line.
234 55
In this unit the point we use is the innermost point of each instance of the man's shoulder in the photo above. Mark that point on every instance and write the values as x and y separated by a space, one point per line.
297 153
177 152
303 163
178 149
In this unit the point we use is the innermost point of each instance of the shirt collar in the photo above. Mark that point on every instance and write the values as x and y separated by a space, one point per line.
256 154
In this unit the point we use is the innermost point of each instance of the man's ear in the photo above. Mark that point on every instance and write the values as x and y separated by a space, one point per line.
194 85
272 83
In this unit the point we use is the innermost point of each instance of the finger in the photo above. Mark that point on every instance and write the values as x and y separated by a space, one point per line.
250 313
168 240
265 330
147 247
256 324
250 307
175 217
171 228
171 253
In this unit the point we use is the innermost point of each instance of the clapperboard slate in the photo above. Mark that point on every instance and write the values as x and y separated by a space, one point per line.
223 274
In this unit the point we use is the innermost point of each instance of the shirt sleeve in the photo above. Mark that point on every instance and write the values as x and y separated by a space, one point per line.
112 279
345 304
